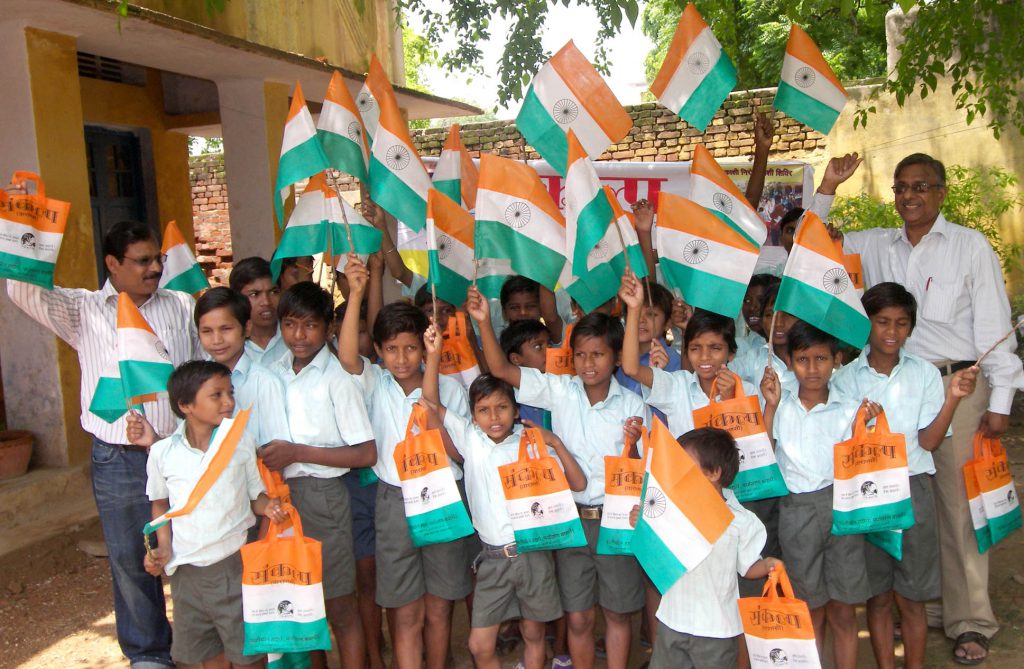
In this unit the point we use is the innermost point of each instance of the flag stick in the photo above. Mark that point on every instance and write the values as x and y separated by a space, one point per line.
1018 324
476 269
771 336
433 299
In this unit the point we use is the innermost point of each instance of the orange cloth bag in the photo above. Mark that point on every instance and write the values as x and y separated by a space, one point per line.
559 360
778 630
457 358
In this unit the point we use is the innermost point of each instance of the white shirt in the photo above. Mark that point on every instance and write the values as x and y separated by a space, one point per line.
677 394
87 321
703 601
389 409
589 432
749 341
262 390
750 367
217 527
275 350
324 410
805 440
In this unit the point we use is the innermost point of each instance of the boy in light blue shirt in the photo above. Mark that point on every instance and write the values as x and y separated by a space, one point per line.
252 278
751 364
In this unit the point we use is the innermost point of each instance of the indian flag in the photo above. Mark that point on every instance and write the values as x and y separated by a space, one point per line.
181 271
344 221
341 130
375 86
702 256
307 230
301 153
817 288
143 360
587 210
697 75
808 90
682 515
449 248
108 400
711 188
517 220
456 174
568 93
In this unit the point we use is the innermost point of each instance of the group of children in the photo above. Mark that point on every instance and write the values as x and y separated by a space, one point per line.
329 411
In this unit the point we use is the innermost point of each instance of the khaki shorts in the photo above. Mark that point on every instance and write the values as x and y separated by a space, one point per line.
208 612
676 650
585 578
519 587
915 577
326 514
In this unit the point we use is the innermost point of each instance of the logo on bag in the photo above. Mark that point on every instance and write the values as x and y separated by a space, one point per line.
1010 496
285 608
525 476
868 454
774 620
869 489
280 573
743 457
28 241
628 478
419 461
536 510
778 657
425 495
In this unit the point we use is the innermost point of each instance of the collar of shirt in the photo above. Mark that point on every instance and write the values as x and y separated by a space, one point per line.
270 343
319 362
242 367
614 391
861 363
834 398
940 227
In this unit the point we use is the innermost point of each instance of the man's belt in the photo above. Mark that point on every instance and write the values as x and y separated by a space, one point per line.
506 551
947 368
589 512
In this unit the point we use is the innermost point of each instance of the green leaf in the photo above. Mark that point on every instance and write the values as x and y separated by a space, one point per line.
632 11
907 5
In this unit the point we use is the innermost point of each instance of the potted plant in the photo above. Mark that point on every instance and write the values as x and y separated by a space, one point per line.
15 452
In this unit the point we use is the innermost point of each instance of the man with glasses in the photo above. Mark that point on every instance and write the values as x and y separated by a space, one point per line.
963 310
87 321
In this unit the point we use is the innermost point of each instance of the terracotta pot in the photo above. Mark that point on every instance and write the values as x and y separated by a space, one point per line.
15 452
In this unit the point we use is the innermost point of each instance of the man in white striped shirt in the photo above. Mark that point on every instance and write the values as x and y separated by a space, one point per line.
87 321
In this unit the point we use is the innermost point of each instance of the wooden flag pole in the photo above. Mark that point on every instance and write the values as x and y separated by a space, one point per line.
476 269
1016 326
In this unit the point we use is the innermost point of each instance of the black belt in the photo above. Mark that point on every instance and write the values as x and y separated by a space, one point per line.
954 367
589 512
506 551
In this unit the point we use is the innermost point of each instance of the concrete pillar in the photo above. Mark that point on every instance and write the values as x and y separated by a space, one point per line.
252 115
43 132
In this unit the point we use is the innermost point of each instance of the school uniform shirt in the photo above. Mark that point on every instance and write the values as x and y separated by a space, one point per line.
750 367
912 396
87 321
216 528
677 394
275 350
703 601
263 391
589 432
324 410
389 409
629 383
804 440
749 341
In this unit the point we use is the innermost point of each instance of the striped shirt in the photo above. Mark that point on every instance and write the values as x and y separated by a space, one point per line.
87 321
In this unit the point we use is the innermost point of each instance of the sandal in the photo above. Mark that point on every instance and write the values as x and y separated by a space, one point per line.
966 638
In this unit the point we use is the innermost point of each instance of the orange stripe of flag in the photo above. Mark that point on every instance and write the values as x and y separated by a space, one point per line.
812 234
298 102
691 24
617 211
377 81
512 177
338 93
705 165
449 217
217 465
678 213
800 45
576 150
469 175
172 237
319 182
589 88
129 316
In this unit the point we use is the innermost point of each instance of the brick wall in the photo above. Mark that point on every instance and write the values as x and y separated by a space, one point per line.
210 216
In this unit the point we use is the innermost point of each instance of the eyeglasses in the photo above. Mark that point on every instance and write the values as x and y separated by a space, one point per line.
147 261
920 188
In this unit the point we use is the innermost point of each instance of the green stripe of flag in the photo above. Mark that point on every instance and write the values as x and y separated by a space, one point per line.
300 162
365 238
709 95
450 285
450 187
289 661
703 289
397 198
591 225
823 311
25 269
490 285
568 534
804 108
896 516
529 258
298 241
108 400
661 565
191 280
728 221
142 377
343 154
540 130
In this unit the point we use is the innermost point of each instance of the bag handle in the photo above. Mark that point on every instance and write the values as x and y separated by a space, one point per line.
417 419
275 529
628 444
19 180
778 580
986 446
860 423
532 437
739 389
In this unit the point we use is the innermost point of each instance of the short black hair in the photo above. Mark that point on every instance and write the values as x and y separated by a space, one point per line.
518 284
791 216
763 280
248 270
803 335
221 297
597 324
518 333
306 299
185 382
715 449
921 159
890 294
661 299
124 234
486 385
423 297
770 294
703 321
339 311
396 318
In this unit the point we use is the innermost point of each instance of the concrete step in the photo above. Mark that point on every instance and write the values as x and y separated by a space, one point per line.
43 504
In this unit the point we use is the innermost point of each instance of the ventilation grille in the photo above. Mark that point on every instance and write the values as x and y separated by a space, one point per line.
109 69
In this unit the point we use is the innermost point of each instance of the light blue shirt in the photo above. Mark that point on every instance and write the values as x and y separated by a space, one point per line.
674 364
275 350
750 367
262 390
677 394
589 432
324 410
749 341
805 440
912 396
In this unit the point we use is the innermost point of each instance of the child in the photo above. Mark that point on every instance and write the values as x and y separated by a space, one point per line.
750 366
252 278
753 305
295 270
525 344
910 390
524 299
654 316
589 411
330 434
416 585
199 551
827 571
698 619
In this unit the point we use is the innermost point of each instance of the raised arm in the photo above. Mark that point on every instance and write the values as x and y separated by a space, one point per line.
764 133
644 213
479 311
374 289
771 391
58 310
631 292
574 475
431 397
549 312
379 219
348 337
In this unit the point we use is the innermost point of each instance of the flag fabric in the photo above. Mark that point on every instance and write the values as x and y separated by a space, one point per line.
341 130
366 239
181 271
375 87
568 93
517 220
682 515
808 90
816 287
143 360
711 188
704 257
449 248
697 75
307 229
108 399
587 211
31 232
456 174
301 153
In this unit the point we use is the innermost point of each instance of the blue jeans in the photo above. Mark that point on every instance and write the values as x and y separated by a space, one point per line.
119 486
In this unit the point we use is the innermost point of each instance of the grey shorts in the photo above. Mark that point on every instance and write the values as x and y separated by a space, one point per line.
208 612
915 577
821 566
676 650
616 582
326 514
406 573
519 587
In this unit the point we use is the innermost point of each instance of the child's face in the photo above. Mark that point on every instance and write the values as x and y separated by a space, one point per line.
890 328
652 324
813 366
752 307
707 352
783 322
263 297
595 360
445 310
521 307
222 336
402 355
215 401
533 353
304 336
495 414
301 271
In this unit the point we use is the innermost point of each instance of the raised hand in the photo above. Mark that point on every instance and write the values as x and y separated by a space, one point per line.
644 213
659 356
357 274
838 170
476 305
771 387
963 382
432 341
764 131
725 383
681 313
631 291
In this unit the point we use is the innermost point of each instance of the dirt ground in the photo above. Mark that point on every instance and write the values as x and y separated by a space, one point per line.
56 609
